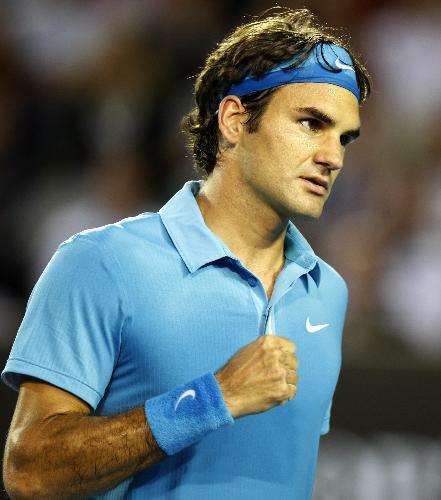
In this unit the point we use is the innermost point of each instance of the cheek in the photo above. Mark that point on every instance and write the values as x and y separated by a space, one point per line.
304 143
334 175
332 180
295 156
296 146
280 150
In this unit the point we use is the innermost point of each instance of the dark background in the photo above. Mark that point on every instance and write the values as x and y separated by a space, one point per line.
91 96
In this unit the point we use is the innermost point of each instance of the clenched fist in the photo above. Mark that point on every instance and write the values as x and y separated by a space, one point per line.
261 375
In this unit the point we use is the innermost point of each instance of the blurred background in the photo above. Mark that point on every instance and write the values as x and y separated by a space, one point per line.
91 97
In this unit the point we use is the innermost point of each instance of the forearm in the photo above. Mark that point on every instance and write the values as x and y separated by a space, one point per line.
71 455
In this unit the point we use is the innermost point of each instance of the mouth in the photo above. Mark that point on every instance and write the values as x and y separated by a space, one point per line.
316 184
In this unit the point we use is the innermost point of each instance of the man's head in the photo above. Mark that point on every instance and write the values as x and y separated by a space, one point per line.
253 50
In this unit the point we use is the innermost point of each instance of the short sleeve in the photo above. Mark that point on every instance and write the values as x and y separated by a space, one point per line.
326 421
71 332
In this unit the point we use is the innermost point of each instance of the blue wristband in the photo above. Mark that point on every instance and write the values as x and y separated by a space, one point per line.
183 416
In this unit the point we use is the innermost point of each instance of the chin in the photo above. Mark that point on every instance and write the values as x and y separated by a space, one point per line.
308 212
306 216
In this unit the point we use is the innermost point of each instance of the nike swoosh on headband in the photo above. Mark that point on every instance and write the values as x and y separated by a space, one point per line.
341 65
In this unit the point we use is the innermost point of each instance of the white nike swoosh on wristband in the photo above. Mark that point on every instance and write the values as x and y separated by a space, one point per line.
314 328
186 394
341 65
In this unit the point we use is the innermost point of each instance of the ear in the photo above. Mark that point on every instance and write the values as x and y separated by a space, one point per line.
230 118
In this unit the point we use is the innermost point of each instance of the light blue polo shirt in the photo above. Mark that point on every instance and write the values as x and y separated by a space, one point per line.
128 311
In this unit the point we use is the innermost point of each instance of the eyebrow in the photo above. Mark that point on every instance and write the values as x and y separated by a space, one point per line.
320 115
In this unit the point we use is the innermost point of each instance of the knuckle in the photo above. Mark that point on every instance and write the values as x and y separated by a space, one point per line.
277 374
292 347
289 358
261 340
263 343
288 343
272 357
270 342
293 377
282 391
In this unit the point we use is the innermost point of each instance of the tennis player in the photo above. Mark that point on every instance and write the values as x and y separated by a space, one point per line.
193 353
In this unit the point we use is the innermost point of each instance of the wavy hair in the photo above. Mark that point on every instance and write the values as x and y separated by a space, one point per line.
254 49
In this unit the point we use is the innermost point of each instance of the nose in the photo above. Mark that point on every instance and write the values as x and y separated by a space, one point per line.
330 153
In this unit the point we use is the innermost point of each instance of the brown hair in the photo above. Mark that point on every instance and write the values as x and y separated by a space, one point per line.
254 48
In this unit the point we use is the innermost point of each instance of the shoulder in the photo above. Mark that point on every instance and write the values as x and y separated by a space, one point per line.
123 250
331 279
120 237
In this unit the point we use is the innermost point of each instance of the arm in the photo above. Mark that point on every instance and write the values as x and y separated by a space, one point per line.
56 449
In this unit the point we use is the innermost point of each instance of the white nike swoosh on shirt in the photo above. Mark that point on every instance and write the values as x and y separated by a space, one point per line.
186 394
341 65
314 328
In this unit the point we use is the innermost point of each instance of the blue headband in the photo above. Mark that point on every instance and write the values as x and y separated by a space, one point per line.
327 63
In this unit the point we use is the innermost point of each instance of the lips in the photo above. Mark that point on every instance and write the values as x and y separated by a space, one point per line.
316 179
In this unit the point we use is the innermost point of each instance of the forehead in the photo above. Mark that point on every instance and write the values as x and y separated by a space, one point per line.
337 102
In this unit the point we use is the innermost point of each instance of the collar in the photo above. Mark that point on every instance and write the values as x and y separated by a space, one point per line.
198 245
300 252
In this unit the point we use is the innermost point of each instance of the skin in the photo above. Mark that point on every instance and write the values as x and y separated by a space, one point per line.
304 132
56 448
260 173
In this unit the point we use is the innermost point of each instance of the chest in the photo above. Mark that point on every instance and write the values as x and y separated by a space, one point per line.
190 325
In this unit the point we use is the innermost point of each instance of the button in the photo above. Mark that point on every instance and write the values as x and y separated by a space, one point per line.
252 281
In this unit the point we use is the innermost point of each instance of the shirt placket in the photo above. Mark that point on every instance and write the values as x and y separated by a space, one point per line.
266 308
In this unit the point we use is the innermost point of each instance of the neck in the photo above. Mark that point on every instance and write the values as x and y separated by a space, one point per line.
250 229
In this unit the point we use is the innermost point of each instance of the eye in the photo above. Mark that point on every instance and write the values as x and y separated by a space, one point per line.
311 124
346 139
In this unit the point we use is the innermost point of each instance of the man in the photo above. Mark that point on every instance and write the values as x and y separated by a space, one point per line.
156 357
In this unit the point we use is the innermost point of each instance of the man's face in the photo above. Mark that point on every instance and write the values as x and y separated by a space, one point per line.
293 159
